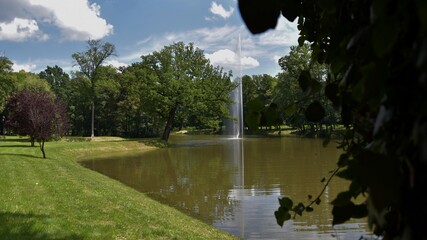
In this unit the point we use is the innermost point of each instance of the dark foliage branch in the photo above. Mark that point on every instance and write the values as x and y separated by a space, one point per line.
376 51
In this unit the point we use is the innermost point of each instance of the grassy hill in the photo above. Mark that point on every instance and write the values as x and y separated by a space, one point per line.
56 198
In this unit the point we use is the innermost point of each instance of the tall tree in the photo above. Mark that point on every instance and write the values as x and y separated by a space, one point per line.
89 63
7 86
181 78
294 94
377 54
57 79
6 80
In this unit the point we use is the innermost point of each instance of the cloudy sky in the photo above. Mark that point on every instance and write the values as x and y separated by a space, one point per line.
39 33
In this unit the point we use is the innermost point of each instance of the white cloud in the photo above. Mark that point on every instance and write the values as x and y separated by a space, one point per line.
28 67
285 34
220 45
76 19
211 39
230 60
219 10
115 63
276 58
20 30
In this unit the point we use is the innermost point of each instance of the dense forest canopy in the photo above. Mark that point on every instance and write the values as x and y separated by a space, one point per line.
176 88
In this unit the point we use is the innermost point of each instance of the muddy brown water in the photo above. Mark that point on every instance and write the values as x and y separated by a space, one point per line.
234 184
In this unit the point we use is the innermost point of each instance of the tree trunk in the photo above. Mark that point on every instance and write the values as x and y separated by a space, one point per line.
41 142
169 123
32 140
93 120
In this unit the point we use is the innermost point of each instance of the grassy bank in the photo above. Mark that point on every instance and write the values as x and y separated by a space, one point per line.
56 198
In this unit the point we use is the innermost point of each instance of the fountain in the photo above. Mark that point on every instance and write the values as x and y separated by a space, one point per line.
235 126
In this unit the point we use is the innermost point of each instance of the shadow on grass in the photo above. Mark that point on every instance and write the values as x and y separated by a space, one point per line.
16 146
29 226
20 155
15 140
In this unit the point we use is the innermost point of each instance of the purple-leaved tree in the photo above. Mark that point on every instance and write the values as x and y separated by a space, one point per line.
39 115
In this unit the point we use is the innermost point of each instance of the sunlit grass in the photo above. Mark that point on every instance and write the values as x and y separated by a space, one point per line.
56 198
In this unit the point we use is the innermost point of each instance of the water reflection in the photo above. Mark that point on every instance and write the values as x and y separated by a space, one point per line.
234 184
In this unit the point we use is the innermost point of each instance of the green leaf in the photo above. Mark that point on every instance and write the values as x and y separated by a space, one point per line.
309 209
384 36
271 114
343 160
345 174
359 211
256 105
252 120
318 201
299 209
291 109
328 5
304 81
282 215
342 199
342 213
346 115
291 9
323 180
310 197
259 16
301 40
332 93
315 112
355 188
338 63
286 203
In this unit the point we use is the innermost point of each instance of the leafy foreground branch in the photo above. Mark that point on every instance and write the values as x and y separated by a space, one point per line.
287 205
376 52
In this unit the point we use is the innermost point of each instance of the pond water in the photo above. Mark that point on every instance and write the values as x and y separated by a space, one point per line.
234 184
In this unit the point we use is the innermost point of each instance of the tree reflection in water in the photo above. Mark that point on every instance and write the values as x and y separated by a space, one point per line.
234 184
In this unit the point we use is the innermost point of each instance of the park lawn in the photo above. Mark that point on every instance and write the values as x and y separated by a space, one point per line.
56 198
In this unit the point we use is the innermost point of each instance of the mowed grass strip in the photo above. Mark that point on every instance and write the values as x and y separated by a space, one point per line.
56 198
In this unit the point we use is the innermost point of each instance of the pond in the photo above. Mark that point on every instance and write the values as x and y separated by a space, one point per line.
234 184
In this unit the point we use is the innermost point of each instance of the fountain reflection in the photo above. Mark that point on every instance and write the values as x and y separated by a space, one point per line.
234 184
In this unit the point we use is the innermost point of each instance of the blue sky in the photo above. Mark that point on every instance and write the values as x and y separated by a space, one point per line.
38 33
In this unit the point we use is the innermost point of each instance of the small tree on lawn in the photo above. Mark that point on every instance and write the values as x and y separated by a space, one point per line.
37 114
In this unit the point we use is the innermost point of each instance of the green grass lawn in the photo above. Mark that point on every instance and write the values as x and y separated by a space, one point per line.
56 198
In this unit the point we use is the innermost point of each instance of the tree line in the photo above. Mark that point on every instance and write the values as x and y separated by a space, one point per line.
173 88
272 101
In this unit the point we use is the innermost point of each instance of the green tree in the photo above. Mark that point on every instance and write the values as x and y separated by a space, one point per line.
258 101
376 51
30 81
89 63
6 81
57 79
107 96
79 100
137 117
212 98
180 78
294 93
258 86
